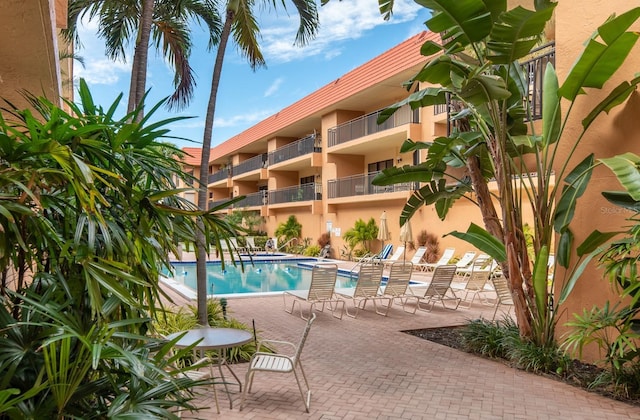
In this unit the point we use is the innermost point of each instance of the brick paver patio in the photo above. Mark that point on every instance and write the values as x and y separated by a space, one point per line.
367 368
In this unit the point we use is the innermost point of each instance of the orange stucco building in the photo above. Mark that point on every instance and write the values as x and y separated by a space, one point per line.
315 158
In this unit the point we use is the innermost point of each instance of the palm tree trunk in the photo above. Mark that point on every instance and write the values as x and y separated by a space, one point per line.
201 251
140 58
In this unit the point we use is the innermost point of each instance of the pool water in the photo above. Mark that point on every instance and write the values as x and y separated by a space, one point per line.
259 277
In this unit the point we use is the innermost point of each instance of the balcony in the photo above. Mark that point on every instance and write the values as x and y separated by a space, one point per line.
359 185
298 193
367 124
221 175
297 149
534 70
257 199
250 165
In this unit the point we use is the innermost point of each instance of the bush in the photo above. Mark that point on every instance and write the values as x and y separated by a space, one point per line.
324 239
312 251
489 338
431 242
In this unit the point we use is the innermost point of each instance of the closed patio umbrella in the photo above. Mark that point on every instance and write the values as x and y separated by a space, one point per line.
383 230
406 235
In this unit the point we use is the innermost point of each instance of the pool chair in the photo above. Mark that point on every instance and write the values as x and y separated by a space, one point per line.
251 245
236 246
397 254
416 260
320 292
280 363
503 294
483 262
446 257
395 288
475 283
438 290
367 285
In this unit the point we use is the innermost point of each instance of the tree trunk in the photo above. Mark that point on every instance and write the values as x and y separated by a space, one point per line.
201 242
140 57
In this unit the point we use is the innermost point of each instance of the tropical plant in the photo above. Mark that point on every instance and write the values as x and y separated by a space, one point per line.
288 230
362 233
89 214
476 68
240 22
165 22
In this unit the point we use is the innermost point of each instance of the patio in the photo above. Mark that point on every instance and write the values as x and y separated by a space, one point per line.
368 368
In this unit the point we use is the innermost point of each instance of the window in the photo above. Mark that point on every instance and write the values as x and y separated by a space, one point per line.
378 166
307 180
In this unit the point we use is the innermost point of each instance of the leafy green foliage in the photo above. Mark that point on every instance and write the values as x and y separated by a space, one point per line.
362 233
489 338
288 230
90 213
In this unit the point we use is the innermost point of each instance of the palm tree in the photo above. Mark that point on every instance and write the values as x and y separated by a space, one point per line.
241 23
163 21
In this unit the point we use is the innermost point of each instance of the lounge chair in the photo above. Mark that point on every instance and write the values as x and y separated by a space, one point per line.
367 285
438 290
481 263
251 245
395 257
237 247
320 292
418 256
503 294
395 288
280 363
444 260
384 253
475 284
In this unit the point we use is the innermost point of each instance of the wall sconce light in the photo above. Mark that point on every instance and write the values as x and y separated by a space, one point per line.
399 159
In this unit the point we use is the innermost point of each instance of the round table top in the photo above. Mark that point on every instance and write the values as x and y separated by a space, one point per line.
210 338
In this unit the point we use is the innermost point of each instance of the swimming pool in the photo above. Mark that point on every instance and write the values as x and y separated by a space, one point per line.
261 277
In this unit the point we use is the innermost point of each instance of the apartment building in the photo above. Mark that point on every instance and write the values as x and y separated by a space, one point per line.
316 158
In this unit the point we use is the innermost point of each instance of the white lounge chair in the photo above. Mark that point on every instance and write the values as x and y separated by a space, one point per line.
395 288
367 285
438 290
481 263
397 254
475 286
320 292
251 245
280 363
444 259
416 260
503 294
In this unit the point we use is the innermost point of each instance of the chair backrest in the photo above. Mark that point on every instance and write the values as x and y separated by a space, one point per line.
466 259
481 263
399 278
397 253
234 243
369 279
419 255
441 281
502 290
251 243
386 251
446 256
323 281
303 339
477 280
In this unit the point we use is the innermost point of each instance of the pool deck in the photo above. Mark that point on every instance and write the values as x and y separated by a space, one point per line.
367 368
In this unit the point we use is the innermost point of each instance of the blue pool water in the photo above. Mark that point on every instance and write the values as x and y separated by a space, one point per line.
259 277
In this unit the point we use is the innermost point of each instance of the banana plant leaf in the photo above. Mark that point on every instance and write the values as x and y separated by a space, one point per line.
483 240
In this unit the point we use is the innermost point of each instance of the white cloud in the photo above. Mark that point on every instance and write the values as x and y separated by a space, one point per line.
244 119
275 86
103 71
339 21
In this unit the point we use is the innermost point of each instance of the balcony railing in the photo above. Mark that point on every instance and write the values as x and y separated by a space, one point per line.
361 185
219 176
300 147
251 164
214 203
304 192
368 124
259 198
534 70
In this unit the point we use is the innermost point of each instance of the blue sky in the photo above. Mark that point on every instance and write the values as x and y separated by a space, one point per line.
351 33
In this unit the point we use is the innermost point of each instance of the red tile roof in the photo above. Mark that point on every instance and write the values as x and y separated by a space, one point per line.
401 57
194 159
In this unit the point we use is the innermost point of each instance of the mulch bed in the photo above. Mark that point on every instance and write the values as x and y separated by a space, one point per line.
581 375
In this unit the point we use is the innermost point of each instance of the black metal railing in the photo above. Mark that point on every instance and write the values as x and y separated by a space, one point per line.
251 164
297 148
259 198
304 192
361 185
215 203
368 124
219 175
534 71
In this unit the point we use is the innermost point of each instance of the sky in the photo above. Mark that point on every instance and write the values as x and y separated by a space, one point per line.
351 33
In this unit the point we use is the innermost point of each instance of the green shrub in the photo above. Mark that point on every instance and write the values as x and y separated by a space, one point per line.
312 251
489 338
